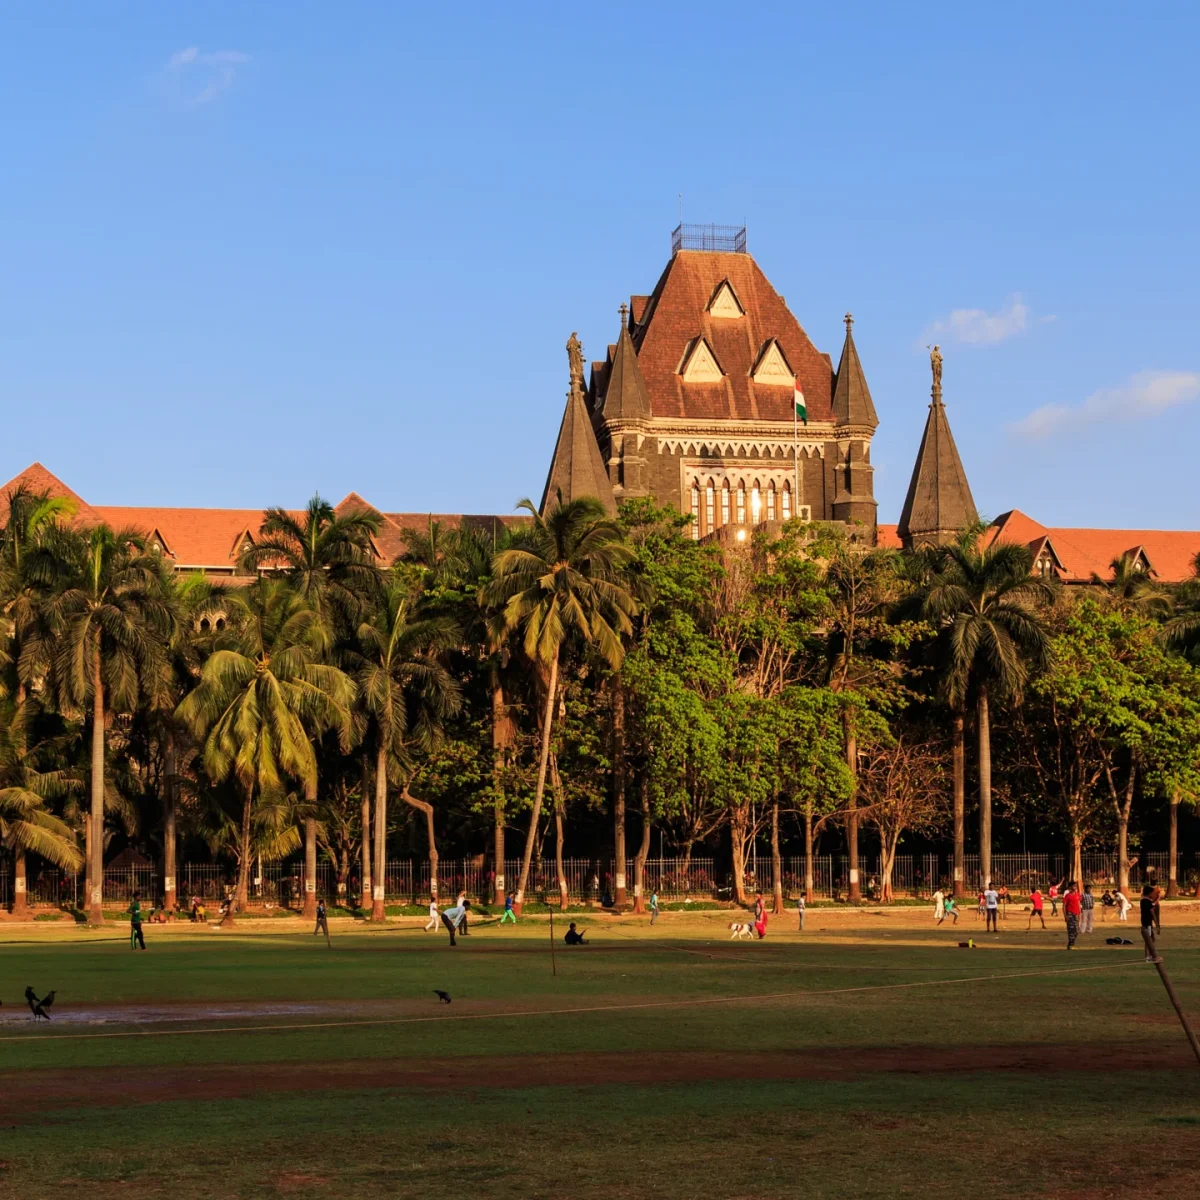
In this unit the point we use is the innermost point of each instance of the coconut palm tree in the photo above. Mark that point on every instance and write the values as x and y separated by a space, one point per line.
568 577
406 694
983 601
109 622
261 692
29 777
1131 588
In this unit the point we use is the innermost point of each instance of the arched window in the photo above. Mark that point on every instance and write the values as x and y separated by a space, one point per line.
770 501
786 499
220 623
695 509
741 504
725 503
204 625
710 516
755 503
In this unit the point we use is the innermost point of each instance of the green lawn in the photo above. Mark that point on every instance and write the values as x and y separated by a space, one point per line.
874 1061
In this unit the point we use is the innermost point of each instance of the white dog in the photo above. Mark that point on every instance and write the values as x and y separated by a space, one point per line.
741 929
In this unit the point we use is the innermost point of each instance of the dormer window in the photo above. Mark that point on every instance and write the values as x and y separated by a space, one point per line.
699 364
724 303
772 368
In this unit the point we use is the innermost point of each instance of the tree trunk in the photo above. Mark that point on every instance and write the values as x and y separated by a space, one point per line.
985 790
310 868
855 889
1173 845
1077 859
809 844
618 721
776 859
738 821
95 883
1123 854
379 875
643 852
170 900
501 739
888 847
427 808
241 895
20 901
959 754
539 793
559 873
365 898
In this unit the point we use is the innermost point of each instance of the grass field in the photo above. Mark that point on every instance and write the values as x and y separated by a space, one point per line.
868 1056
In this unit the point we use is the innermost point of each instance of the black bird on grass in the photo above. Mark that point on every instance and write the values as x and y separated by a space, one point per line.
38 1007
444 997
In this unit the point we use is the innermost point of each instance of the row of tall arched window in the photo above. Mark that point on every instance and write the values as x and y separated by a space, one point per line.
715 505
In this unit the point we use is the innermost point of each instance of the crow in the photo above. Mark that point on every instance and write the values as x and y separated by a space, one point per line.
38 1007
444 997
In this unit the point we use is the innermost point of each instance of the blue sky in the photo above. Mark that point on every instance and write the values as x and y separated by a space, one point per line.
252 251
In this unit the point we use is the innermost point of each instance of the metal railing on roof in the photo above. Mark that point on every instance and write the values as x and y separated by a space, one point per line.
731 239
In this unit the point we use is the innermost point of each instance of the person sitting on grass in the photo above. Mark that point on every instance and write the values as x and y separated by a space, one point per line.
574 938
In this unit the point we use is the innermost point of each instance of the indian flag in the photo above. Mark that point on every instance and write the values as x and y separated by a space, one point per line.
801 408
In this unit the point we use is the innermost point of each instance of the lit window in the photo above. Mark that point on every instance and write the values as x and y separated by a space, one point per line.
770 502
755 504
695 510
741 504
709 507
786 498
725 503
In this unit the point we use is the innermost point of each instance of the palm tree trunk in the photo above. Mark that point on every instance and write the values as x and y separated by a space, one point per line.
365 898
1123 854
776 859
855 893
1173 845
643 852
20 902
427 808
559 873
985 790
95 883
242 892
500 741
1077 857
169 815
539 793
959 754
310 867
618 723
809 843
380 874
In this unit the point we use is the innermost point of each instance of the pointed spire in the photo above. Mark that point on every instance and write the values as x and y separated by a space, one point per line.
851 397
577 469
939 501
626 398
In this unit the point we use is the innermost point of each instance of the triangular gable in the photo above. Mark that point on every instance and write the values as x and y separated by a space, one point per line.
241 543
724 302
1045 558
771 367
699 363
1139 560
158 543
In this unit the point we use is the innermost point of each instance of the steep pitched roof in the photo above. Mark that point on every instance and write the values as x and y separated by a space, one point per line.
577 469
37 479
625 397
677 315
851 397
939 501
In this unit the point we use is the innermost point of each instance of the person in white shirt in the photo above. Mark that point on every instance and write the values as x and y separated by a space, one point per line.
939 905
434 919
452 918
1123 905
991 908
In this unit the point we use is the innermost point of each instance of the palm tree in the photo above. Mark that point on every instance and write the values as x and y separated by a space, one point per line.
109 623
983 602
26 825
1132 588
406 693
1182 631
568 577
260 693
330 560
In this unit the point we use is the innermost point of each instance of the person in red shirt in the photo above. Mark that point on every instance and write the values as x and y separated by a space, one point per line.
1072 907
1035 898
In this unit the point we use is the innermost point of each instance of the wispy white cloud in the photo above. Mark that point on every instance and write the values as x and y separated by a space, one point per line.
1147 394
213 72
978 327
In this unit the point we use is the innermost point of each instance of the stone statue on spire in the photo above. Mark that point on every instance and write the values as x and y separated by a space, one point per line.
935 362
575 358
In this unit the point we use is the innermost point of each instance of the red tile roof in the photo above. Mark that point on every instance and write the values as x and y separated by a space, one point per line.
676 315
887 537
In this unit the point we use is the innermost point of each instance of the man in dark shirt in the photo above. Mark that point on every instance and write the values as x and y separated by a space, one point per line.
572 938
1148 924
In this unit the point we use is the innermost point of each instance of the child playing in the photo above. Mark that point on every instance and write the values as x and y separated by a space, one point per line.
509 917
434 919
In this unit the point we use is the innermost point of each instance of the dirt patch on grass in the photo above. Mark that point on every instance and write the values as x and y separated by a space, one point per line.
29 1092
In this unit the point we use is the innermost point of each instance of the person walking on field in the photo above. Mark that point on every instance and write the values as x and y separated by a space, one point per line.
1123 905
136 937
653 907
453 917
434 917
1072 908
991 908
322 925
950 909
509 917
1036 902
760 916
1088 909
1147 917
800 909
939 906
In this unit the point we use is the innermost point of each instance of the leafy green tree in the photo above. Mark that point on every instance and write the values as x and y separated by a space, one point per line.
569 577
109 623
261 692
